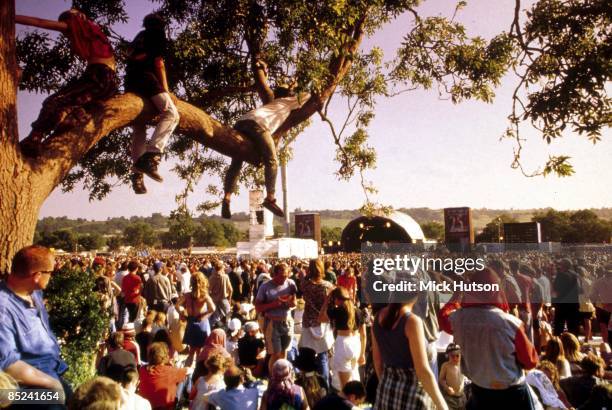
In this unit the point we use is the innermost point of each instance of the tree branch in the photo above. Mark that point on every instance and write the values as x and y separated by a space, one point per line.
62 151
338 68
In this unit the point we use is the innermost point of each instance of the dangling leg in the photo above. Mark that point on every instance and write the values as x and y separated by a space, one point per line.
168 121
230 184
139 138
267 149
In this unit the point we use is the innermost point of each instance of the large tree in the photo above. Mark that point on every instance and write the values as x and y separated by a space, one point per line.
220 51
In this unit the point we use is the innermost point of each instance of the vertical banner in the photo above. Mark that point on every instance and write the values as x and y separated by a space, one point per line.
458 229
308 226
260 219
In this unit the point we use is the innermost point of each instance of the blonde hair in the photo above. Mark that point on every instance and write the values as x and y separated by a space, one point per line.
6 382
217 362
158 354
571 347
546 365
199 286
316 269
342 294
160 319
100 393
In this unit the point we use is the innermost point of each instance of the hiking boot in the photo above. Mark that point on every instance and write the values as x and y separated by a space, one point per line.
147 164
31 146
138 184
270 204
225 209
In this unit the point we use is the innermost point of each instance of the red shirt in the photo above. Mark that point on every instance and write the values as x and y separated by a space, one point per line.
130 286
158 384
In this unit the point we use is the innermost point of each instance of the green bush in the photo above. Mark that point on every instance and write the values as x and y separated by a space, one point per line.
78 319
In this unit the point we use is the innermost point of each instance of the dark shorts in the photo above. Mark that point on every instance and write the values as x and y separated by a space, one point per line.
603 316
143 83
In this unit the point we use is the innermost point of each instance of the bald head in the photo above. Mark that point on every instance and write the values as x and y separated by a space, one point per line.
32 259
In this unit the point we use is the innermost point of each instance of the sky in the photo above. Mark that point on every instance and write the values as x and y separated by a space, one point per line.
431 153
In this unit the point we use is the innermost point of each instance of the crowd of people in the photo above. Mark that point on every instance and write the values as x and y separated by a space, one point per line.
221 332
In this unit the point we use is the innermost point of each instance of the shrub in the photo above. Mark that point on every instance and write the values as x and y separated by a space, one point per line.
78 319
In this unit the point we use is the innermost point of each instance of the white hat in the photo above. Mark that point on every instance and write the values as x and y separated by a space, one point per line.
234 326
251 326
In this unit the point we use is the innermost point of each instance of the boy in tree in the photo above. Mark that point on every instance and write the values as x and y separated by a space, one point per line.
258 126
97 83
146 76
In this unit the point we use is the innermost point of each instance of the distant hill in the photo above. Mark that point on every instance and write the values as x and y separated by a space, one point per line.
329 218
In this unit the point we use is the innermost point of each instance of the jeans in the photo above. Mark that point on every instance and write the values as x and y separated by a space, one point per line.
168 121
322 364
220 313
264 143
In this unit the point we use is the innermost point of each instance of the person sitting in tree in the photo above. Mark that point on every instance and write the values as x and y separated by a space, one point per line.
146 76
258 126
98 82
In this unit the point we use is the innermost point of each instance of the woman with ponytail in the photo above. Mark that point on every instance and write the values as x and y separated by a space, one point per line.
350 344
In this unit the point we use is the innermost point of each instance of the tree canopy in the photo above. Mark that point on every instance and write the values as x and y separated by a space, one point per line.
556 49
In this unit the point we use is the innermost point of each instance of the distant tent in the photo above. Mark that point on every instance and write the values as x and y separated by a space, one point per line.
394 228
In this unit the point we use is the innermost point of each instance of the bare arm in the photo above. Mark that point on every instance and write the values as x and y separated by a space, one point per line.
41 23
362 338
378 367
264 307
210 306
416 338
160 73
442 377
31 376
323 318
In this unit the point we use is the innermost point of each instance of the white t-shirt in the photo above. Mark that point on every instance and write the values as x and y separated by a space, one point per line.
185 282
133 401
204 389
119 275
273 114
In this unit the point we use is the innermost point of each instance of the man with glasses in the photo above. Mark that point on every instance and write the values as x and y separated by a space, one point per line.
29 351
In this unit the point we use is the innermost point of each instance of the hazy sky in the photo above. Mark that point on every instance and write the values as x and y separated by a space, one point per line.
431 153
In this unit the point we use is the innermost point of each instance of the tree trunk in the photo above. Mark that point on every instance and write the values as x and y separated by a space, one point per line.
17 210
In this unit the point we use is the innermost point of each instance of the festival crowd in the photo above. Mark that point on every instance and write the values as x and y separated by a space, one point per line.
240 334
218 332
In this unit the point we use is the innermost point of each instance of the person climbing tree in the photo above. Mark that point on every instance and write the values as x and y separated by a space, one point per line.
258 125
146 76
99 81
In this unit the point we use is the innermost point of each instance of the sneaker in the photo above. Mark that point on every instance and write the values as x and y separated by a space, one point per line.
272 207
147 164
31 145
138 184
225 209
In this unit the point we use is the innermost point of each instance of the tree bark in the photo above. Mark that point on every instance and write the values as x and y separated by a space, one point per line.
18 198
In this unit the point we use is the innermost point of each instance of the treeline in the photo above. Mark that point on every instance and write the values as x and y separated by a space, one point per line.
180 231
583 226
174 232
